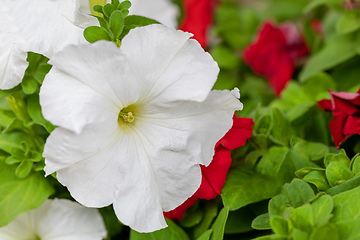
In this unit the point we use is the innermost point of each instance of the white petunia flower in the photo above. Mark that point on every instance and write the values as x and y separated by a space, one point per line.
56 219
41 26
134 122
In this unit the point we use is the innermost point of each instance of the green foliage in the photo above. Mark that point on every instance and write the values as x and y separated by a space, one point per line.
114 22
18 195
172 232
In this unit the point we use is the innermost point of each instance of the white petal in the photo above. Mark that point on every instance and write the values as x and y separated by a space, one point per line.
163 11
12 59
159 178
176 64
42 23
67 220
200 124
78 12
57 219
88 83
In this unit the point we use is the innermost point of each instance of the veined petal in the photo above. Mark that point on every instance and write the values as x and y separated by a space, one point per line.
200 125
54 220
170 68
44 26
70 103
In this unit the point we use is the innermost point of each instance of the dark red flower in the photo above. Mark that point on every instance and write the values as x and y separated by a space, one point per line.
274 53
198 16
346 110
214 175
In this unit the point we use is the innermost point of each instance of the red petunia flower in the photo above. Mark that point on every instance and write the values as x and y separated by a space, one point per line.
198 16
274 53
214 175
346 110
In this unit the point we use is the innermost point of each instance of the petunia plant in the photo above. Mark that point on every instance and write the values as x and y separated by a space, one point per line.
179 119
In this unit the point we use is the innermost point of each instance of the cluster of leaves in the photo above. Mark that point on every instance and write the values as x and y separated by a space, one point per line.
114 22
23 134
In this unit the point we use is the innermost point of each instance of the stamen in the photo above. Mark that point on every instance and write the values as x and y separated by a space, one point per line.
128 117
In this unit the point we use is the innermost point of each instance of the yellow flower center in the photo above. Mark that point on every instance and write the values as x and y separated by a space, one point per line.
127 116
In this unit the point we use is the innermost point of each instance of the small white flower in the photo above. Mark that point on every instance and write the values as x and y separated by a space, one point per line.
56 219
134 122
41 26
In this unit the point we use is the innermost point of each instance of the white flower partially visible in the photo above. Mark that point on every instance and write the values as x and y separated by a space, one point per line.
134 122
56 219
41 26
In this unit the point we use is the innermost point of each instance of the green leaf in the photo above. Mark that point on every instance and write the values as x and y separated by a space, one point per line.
124 5
314 151
98 8
192 216
346 205
298 192
20 195
272 161
115 3
336 51
280 128
210 212
321 209
340 157
348 185
206 235
24 169
116 23
336 173
317 178
243 187
355 165
95 33
239 221
317 84
280 225
261 222
34 110
29 85
108 9
348 22
263 125
172 232
134 21
328 232
302 217
14 140
298 234
219 225
349 229
225 57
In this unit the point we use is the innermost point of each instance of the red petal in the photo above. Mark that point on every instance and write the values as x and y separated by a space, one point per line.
273 54
336 127
178 213
198 18
238 134
214 175
325 104
352 126
345 102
